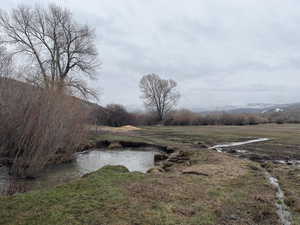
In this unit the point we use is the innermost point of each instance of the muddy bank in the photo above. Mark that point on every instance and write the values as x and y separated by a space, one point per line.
164 158
92 157
103 144
130 144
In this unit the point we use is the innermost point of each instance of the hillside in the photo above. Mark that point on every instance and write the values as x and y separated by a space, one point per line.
17 85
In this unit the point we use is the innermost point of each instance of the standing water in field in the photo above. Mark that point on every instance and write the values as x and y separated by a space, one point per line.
84 163
233 144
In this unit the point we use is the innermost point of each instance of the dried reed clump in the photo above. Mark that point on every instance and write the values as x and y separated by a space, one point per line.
38 127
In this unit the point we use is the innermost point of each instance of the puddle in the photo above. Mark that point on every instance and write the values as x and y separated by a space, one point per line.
85 162
233 144
288 162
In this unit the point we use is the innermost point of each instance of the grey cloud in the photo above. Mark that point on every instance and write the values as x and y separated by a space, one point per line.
220 51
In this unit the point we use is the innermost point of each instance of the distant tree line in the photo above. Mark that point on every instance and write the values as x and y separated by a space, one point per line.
116 115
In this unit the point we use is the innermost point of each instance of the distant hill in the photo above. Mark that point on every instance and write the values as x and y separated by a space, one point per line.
255 109
17 85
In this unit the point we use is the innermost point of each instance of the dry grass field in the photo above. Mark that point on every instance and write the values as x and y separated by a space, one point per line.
207 188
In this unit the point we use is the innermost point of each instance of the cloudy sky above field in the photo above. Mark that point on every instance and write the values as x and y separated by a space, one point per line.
221 52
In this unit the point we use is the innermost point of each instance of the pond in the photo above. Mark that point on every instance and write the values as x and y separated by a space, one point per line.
85 162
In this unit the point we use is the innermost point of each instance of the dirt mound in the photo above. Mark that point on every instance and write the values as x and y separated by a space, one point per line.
127 128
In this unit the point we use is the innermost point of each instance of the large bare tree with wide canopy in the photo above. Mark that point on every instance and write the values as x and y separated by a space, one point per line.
159 95
58 50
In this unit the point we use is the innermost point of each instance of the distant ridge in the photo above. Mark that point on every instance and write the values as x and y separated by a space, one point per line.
254 108
17 84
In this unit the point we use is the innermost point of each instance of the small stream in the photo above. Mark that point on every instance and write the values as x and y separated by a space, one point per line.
282 209
234 144
85 162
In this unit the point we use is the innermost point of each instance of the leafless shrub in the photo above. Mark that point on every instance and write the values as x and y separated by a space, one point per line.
232 119
114 115
182 117
290 116
38 126
141 118
187 117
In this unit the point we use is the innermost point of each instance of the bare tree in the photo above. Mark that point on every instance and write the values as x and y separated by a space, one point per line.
159 95
59 50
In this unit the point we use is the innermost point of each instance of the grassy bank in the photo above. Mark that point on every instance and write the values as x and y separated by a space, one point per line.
114 196
209 188
289 179
284 144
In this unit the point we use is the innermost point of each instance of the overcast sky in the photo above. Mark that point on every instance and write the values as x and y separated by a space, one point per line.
221 52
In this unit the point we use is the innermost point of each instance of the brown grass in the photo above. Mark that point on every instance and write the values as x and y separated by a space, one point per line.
122 129
221 167
38 127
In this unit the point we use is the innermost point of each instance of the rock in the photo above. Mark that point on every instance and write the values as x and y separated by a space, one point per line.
155 170
219 149
194 170
169 149
167 164
114 145
85 147
102 144
188 163
201 144
174 155
160 157
195 173
231 151
178 157
233 217
178 160
254 167
257 157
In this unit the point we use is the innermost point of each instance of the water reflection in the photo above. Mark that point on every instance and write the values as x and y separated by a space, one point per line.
85 163
133 160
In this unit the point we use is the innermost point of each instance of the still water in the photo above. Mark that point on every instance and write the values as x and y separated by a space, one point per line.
85 163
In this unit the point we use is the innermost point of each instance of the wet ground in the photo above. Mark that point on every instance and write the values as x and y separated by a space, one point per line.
85 162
